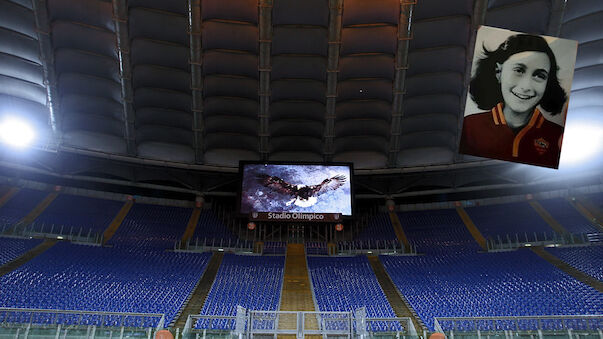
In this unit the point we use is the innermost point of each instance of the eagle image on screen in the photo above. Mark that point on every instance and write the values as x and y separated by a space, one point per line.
518 97
296 188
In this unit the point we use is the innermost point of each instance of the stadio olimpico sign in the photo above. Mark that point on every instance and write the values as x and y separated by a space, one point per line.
295 216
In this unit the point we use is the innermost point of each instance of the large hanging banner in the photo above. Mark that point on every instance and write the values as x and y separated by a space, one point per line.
518 97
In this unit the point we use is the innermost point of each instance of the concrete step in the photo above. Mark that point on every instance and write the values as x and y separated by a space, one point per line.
394 296
34 252
572 271
197 298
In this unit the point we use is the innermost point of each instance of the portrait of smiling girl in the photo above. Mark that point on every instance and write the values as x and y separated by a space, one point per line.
512 86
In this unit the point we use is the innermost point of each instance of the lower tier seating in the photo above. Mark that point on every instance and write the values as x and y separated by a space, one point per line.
253 282
344 284
586 259
81 277
489 284
12 248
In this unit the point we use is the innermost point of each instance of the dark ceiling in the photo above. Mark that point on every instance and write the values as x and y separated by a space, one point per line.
192 87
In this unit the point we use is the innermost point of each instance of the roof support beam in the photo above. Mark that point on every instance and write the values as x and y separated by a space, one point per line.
556 17
401 65
120 17
264 68
479 18
40 10
335 12
196 62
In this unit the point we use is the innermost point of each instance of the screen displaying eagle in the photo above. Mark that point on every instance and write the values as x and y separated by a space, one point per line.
302 195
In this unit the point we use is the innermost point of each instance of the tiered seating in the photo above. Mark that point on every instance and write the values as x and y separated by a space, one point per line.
437 231
489 284
75 212
316 248
210 229
510 219
152 226
343 284
79 277
12 248
253 282
20 205
379 227
275 247
586 259
567 216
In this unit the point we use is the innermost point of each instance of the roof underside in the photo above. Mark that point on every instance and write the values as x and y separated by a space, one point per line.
212 82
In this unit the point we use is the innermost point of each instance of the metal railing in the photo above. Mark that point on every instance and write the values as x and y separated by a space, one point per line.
539 324
33 316
515 241
42 230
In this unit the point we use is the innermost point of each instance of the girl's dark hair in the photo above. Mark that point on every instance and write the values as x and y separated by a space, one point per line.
485 89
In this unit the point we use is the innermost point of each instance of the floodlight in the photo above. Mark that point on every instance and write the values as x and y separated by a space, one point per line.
16 132
581 142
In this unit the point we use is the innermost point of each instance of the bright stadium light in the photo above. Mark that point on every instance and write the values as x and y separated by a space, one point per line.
16 132
581 142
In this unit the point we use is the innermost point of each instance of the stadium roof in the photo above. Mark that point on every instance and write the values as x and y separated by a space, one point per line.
148 91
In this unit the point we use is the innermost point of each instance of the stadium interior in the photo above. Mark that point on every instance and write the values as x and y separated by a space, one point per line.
125 126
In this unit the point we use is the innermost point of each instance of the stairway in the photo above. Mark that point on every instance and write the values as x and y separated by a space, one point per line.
475 233
31 216
296 294
394 297
34 252
575 273
119 218
589 210
399 231
197 299
6 193
544 214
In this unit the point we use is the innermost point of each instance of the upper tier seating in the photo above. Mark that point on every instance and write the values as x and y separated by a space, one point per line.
75 212
489 284
437 231
152 226
20 205
275 247
344 284
567 216
211 229
379 227
587 259
253 282
12 248
104 279
316 248
518 218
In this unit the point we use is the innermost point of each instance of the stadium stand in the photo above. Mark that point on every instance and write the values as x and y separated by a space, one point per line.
379 227
20 205
567 216
104 279
253 282
75 212
275 247
489 284
517 220
152 226
316 248
588 259
211 229
344 284
12 248
437 231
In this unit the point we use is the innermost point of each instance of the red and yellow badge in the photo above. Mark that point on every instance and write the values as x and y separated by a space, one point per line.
541 145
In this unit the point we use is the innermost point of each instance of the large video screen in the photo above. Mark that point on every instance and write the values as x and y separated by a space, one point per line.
306 188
